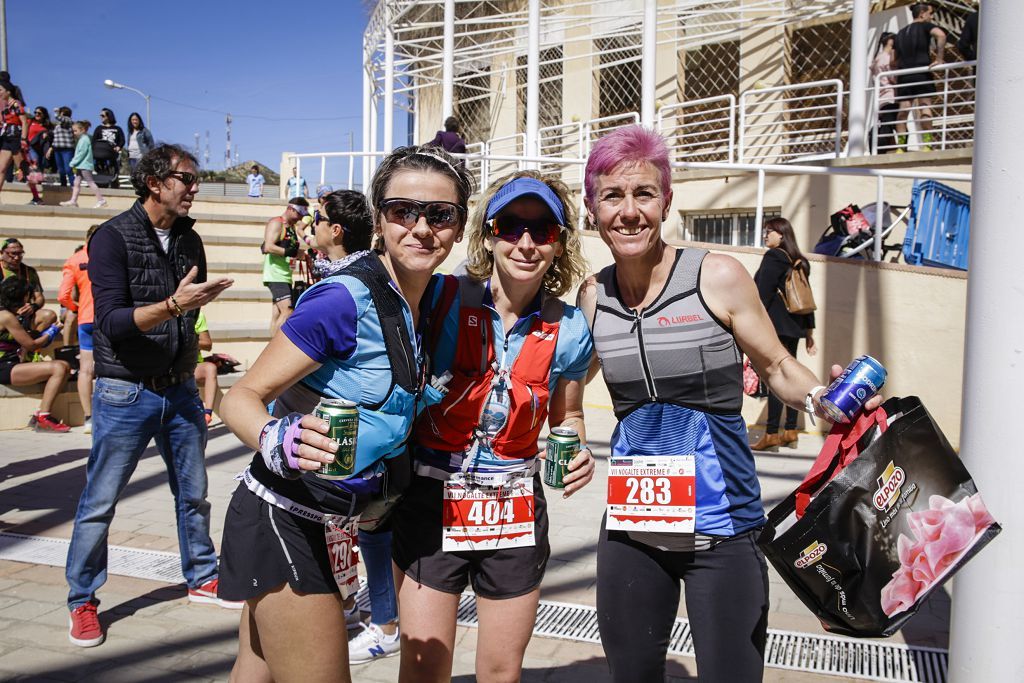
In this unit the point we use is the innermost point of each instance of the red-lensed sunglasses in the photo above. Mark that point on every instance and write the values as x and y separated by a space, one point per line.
511 229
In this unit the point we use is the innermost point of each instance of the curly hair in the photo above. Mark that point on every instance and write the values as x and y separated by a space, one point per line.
565 271
12 293
159 163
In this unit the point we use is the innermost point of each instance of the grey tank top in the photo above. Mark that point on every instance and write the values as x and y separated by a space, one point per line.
675 351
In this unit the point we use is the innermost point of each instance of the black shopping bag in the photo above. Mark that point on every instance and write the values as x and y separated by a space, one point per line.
886 515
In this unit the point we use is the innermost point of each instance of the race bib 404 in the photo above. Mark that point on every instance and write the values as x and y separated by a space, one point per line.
488 517
652 493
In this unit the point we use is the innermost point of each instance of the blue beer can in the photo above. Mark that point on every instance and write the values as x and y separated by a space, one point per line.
845 397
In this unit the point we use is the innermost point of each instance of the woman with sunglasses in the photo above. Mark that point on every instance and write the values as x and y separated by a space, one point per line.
352 336
509 355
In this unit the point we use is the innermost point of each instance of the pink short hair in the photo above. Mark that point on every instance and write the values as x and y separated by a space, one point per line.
630 145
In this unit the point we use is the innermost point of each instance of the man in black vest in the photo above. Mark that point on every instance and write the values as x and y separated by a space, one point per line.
148 273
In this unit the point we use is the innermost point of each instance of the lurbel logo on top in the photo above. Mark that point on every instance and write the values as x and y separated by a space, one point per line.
889 484
666 321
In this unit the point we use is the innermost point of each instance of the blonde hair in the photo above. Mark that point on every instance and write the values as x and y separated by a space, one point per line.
565 271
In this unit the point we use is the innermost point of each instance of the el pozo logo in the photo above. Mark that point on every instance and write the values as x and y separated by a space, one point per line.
811 554
890 483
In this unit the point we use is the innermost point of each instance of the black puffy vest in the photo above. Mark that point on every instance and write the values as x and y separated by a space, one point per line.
172 346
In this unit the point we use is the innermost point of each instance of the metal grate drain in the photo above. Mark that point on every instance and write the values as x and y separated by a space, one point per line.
821 654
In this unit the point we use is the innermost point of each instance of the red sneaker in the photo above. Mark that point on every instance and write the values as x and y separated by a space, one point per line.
46 423
207 593
85 629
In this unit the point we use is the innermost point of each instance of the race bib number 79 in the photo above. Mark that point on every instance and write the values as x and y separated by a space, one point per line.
648 493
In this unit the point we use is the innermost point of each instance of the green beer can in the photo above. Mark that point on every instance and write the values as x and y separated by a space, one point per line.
563 445
342 418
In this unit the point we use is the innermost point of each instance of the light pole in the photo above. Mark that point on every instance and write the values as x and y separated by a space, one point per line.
114 85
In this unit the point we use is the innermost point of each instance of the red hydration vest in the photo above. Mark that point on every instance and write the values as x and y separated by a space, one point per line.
449 425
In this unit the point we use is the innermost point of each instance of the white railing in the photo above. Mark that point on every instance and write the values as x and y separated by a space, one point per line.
347 169
950 115
880 174
595 128
791 122
567 141
700 130
495 160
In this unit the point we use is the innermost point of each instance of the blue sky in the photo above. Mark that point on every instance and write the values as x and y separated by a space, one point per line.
248 58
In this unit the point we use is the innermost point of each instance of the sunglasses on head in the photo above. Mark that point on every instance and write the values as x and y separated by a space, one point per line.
407 213
511 228
188 179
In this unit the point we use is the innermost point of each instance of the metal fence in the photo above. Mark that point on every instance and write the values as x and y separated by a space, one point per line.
701 130
944 120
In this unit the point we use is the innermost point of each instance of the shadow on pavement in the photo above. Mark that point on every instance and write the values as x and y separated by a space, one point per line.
593 670
121 663
129 608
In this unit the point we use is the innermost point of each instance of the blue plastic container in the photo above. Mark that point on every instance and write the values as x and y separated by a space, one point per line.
939 226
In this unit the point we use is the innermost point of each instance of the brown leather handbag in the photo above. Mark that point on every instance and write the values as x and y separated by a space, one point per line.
797 293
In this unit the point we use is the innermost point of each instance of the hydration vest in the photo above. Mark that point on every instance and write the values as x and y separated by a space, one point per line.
450 426
676 351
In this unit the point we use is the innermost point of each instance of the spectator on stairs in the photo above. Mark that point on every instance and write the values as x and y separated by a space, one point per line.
107 142
82 164
34 317
15 342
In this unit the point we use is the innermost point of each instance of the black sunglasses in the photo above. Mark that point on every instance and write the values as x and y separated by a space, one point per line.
511 228
407 212
189 179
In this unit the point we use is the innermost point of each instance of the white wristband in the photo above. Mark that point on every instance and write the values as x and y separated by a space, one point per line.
809 401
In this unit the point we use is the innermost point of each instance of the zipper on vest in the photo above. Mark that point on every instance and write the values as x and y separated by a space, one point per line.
648 380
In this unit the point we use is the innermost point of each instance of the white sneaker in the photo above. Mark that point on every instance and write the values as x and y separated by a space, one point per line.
69 203
353 619
100 204
87 426
372 644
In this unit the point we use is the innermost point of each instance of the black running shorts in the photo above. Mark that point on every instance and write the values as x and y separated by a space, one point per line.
264 547
494 574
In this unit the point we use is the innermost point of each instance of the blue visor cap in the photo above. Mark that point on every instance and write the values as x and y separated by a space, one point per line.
523 187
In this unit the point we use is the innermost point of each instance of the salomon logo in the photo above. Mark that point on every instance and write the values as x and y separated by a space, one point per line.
472 321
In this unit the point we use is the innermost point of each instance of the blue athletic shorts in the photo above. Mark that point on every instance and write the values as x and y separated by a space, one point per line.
85 336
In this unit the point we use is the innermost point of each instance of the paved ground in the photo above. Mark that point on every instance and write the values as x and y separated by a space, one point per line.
155 635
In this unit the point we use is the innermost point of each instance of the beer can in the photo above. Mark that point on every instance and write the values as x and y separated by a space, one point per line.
342 418
563 445
845 397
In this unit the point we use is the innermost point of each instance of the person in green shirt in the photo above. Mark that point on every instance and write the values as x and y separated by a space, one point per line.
207 370
282 238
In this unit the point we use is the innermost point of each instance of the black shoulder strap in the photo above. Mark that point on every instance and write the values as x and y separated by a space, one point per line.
399 347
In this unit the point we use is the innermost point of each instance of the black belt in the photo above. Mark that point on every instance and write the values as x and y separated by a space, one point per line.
160 382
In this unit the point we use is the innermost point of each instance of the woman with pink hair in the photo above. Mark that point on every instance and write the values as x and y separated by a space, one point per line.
670 325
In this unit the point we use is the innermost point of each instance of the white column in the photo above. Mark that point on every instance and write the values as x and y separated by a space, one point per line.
988 595
448 63
858 77
389 89
368 141
532 77
648 62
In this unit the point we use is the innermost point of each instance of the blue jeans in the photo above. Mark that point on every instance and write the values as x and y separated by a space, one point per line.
126 417
376 552
63 157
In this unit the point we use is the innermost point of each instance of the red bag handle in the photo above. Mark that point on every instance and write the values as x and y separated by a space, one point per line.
839 451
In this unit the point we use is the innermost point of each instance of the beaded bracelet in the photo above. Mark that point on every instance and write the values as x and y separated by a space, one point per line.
176 306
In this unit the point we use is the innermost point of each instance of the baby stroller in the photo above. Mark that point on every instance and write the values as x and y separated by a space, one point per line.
851 232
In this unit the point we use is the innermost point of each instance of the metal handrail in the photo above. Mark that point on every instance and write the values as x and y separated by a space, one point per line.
744 126
730 108
944 69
